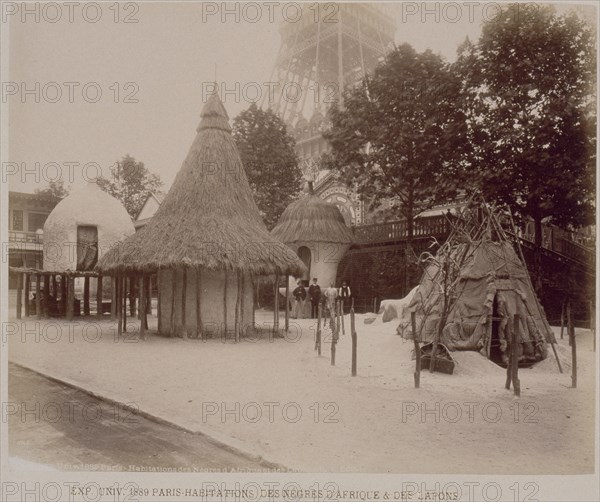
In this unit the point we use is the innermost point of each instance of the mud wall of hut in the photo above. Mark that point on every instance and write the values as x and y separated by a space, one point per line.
216 292
324 259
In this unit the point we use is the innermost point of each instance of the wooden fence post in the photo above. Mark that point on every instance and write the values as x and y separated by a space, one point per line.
515 353
353 334
417 374
562 319
569 321
334 329
318 341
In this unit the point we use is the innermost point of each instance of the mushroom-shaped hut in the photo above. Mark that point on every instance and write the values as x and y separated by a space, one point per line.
316 231
206 242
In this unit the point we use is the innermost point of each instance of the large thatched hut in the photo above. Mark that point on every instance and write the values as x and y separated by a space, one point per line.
316 231
206 241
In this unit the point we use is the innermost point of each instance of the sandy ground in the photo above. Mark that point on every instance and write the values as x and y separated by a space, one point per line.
278 399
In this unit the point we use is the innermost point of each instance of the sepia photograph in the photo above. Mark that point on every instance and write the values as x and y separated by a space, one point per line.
298 251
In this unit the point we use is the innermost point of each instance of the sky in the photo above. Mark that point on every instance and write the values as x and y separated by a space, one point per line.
87 86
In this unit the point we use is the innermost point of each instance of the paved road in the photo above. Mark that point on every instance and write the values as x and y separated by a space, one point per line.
53 424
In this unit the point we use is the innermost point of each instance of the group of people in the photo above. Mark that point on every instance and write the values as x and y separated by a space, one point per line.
329 297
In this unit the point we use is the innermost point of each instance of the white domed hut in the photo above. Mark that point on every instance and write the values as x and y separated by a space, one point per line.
82 227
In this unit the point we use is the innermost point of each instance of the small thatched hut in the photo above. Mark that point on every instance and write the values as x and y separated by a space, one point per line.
206 241
316 231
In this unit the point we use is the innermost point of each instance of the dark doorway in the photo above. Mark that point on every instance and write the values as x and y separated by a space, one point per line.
87 247
305 255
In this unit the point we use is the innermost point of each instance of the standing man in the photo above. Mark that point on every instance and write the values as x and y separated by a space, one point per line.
344 294
314 293
299 296
331 295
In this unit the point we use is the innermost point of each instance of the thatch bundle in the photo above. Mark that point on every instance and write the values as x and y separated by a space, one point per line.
311 219
208 219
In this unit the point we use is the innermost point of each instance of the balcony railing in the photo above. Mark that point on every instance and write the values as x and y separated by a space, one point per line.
25 237
431 226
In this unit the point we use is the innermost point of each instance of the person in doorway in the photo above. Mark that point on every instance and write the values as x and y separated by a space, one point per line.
344 294
314 294
299 295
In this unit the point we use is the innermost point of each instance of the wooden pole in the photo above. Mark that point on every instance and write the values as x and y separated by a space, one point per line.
318 341
46 304
142 310
276 307
287 303
592 322
183 302
86 295
19 294
225 309
64 287
516 340
199 330
173 281
573 344
27 288
238 302
342 316
119 304
158 302
70 297
132 296
54 291
113 298
353 334
38 296
562 319
149 295
99 297
417 374
124 297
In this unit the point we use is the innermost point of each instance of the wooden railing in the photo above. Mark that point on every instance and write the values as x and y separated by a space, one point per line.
431 226
440 226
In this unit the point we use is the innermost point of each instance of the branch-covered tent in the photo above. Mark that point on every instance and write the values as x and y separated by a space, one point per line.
315 229
206 241
473 287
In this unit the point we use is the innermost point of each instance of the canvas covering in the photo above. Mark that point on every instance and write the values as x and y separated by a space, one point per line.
489 272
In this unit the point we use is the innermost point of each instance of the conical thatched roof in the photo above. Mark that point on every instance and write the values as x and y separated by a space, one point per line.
209 218
311 219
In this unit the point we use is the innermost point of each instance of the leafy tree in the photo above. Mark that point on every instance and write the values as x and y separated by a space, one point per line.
55 189
131 183
530 112
399 136
269 157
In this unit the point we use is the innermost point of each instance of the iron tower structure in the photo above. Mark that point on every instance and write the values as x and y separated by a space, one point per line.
329 48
